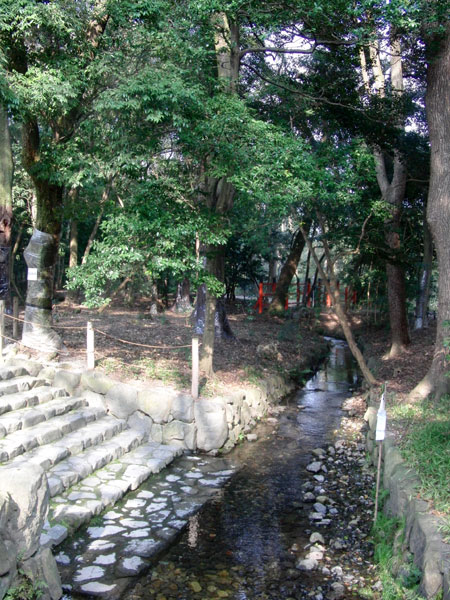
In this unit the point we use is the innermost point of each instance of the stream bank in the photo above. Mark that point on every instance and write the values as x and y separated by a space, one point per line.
294 520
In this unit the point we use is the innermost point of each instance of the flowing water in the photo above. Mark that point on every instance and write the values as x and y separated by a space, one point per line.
244 543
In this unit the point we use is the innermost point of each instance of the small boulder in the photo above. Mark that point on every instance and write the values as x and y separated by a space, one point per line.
307 564
314 467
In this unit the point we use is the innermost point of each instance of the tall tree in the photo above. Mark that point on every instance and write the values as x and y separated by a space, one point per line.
392 190
219 192
437 37
49 54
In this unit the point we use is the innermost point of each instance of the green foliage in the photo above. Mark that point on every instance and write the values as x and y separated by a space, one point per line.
387 535
143 114
25 588
154 232
427 449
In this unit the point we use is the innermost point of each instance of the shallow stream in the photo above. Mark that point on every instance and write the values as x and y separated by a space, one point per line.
245 543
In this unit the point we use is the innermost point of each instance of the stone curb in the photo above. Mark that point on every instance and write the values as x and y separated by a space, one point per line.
422 534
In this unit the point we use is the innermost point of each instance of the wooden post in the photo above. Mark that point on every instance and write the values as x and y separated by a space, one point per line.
90 350
16 317
194 388
2 328
377 488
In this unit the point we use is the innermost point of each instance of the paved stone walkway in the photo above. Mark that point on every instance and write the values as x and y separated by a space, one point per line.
103 558
92 461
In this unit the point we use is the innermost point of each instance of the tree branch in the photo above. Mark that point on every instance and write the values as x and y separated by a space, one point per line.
308 97
272 50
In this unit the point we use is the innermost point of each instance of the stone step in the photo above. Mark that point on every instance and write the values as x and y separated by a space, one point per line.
22 441
22 418
20 384
70 471
106 485
70 444
31 397
12 371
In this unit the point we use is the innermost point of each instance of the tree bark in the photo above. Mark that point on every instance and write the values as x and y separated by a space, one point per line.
73 255
183 300
98 220
41 252
6 215
438 205
287 273
219 193
421 318
306 280
207 353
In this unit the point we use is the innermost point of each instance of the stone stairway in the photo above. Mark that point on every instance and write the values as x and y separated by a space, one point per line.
91 459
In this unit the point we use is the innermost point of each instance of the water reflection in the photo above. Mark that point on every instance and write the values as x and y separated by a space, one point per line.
241 544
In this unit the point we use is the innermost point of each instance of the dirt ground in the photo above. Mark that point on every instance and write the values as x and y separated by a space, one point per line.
131 344
401 374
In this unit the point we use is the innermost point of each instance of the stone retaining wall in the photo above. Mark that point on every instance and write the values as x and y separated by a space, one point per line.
422 535
24 501
172 417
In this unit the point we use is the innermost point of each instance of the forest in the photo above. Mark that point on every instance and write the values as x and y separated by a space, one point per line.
153 147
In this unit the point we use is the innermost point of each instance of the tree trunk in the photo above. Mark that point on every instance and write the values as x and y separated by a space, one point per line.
222 328
183 299
42 250
72 295
287 273
6 177
105 197
315 293
306 280
207 350
272 276
393 193
438 206
421 319
395 273
332 288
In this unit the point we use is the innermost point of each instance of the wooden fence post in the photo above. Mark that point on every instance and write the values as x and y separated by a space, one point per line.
2 327
194 388
16 317
90 349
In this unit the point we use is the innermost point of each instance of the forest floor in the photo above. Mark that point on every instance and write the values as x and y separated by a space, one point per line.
131 344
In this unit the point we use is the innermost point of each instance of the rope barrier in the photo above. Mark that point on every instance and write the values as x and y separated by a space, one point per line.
141 345
90 350
80 328
5 337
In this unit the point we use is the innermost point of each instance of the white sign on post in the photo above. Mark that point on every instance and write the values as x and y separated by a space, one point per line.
381 421
32 274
